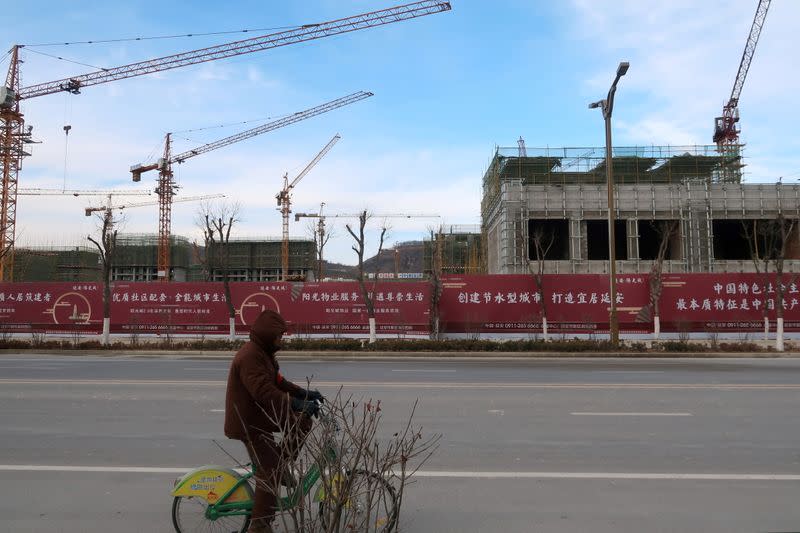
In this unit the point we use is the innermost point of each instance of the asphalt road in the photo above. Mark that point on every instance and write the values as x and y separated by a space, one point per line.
577 445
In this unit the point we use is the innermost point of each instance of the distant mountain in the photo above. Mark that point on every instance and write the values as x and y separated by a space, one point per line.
409 257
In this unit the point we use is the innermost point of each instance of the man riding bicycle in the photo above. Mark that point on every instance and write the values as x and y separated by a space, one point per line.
260 401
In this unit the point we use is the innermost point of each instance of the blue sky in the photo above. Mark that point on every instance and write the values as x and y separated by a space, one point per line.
448 89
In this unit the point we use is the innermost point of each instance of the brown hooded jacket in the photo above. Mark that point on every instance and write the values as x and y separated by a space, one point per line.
255 384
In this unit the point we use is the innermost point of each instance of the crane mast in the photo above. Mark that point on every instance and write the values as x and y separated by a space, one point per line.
726 132
285 203
13 134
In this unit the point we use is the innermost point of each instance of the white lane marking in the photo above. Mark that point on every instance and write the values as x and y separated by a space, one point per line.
441 473
500 412
215 369
32 367
424 385
217 410
419 370
629 414
628 371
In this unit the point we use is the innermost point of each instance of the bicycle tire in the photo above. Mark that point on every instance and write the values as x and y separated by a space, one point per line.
380 510
224 524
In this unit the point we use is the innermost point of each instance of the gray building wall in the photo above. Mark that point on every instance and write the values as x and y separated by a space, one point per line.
696 205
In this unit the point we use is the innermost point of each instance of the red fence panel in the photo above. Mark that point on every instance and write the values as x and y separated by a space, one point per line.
725 302
577 303
46 307
324 308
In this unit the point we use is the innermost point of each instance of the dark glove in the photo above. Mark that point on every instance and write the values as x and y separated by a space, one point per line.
312 395
306 407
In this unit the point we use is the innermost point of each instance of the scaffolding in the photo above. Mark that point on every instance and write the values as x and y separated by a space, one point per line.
259 259
460 247
587 166
563 191
57 263
136 257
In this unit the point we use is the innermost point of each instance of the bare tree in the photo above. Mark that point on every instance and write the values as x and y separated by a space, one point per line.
320 236
541 240
362 467
216 220
768 241
359 248
665 229
106 246
437 241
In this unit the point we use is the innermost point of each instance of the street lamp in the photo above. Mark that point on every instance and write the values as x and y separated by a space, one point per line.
607 106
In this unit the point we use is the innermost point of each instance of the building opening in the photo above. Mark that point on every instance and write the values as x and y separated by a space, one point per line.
653 232
550 237
597 240
731 239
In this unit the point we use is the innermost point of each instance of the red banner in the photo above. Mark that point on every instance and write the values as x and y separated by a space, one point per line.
309 308
44 307
577 303
573 303
726 302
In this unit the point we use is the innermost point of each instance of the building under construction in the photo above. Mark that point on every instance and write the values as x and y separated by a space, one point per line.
257 260
562 194
456 249
53 263
136 256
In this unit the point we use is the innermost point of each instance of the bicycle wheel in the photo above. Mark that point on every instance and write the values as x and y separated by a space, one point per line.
189 515
370 506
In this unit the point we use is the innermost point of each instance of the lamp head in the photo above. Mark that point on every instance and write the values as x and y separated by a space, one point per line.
622 69
595 105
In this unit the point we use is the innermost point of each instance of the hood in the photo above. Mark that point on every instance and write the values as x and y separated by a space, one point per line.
266 330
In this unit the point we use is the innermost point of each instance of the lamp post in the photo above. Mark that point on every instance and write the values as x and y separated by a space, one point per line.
607 106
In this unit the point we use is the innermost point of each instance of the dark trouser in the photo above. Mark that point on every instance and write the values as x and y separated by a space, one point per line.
267 456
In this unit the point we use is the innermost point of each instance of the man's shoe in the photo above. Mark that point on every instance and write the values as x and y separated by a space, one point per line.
259 526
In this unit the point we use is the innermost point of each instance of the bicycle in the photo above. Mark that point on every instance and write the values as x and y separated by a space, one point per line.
214 498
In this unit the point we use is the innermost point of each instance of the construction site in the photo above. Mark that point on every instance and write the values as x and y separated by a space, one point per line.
135 259
547 209
557 200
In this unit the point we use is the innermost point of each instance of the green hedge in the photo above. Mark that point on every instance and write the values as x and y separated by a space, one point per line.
392 345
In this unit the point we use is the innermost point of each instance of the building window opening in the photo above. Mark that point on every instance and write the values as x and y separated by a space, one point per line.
652 233
597 240
550 238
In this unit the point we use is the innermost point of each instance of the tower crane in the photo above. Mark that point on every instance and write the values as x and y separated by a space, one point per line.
726 133
285 203
321 221
79 192
14 135
166 185
109 207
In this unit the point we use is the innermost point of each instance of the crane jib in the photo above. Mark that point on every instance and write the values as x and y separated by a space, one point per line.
280 123
308 32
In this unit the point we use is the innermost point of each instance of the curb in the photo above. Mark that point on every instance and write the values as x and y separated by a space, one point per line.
331 354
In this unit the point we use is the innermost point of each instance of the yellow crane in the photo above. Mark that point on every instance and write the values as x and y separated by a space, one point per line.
285 203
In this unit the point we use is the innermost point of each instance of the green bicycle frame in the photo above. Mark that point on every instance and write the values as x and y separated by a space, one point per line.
221 509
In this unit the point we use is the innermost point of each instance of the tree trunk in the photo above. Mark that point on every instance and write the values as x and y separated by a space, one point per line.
232 331
656 327
372 335
766 329
544 329
106 329
779 335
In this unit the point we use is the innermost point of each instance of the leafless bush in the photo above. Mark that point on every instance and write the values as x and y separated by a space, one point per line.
363 470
